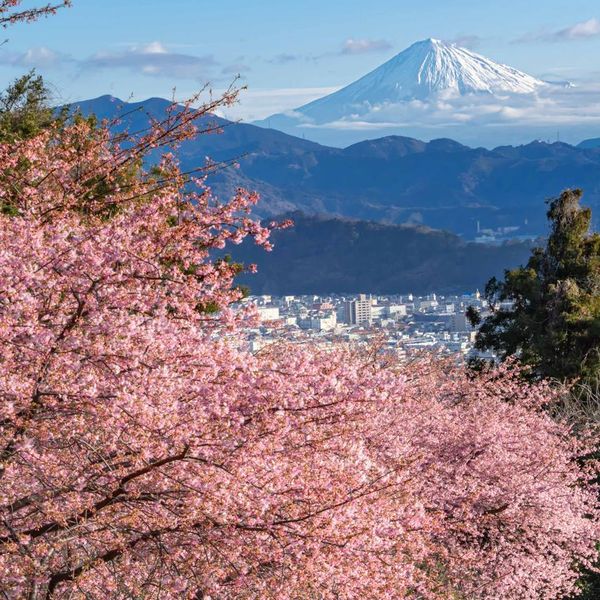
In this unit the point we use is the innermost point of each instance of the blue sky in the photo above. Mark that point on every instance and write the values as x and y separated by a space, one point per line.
287 52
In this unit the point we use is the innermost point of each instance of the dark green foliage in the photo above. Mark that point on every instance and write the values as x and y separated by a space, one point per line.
473 315
548 312
321 255
589 585
25 108
25 112
208 308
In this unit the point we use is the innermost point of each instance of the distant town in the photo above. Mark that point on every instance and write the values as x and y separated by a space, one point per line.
401 324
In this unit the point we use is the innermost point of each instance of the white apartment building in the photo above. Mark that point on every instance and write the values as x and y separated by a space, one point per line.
358 312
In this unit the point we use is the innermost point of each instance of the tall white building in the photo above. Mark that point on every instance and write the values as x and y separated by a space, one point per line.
358 312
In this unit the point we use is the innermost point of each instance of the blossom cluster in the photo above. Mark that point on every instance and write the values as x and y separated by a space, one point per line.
11 11
145 455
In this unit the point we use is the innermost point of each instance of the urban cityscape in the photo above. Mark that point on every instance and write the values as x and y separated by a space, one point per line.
401 324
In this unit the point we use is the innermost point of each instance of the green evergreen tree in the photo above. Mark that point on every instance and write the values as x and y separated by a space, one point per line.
25 108
547 313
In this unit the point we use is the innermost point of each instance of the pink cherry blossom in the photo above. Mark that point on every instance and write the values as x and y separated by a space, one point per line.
11 13
145 454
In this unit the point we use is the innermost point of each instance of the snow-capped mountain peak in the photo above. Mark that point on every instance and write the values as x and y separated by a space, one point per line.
432 66
421 72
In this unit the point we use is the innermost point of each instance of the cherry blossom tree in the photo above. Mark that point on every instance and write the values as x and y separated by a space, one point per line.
145 454
11 11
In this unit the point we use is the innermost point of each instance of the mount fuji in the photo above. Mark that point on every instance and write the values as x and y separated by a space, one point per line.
431 89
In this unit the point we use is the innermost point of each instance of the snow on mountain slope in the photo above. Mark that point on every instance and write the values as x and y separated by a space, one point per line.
438 90
421 72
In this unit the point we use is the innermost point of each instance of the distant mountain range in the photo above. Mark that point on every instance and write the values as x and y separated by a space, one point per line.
440 184
589 144
326 255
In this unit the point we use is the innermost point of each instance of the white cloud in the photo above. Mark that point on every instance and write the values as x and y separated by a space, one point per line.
580 31
36 57
155 59
466 41
153 48
364 46
572 110
255 104
585 29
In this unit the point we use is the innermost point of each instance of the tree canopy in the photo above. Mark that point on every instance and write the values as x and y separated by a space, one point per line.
144 452
25 108
547 313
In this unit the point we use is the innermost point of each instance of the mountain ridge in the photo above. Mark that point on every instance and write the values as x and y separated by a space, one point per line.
323 255
394 179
